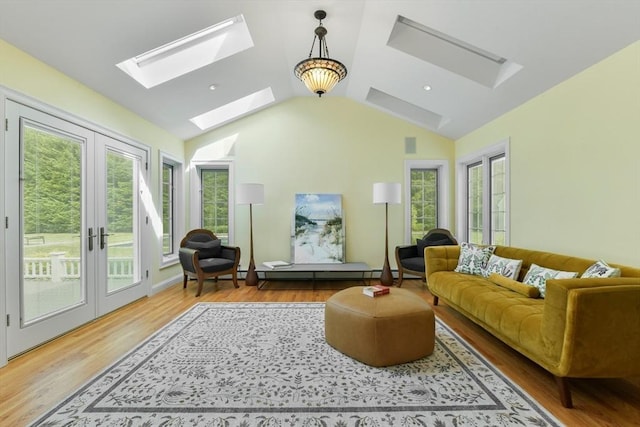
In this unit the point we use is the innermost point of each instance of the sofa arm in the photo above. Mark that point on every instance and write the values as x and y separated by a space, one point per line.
591 327
440 258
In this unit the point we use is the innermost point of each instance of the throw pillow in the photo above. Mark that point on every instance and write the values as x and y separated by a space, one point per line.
521 288
208 249
601 269
473 258
538 276
503 266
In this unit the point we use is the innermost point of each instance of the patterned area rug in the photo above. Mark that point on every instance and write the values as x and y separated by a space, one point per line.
248 364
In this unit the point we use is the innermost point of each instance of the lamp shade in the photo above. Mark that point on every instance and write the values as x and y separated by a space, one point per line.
386 192
250 194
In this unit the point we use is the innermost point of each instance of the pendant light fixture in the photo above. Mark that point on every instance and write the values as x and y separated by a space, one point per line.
320 74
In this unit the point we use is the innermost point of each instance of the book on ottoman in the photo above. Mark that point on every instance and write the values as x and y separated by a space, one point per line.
375 291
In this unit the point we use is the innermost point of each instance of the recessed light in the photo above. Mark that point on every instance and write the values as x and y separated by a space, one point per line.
213 87
426 87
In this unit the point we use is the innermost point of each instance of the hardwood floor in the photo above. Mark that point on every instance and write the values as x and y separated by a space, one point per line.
35 381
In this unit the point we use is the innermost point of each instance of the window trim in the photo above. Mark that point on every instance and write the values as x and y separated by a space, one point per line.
442 166
484 157
178 200
196 192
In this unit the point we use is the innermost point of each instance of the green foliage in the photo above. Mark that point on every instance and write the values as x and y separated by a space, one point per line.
424 201
51 183
215 201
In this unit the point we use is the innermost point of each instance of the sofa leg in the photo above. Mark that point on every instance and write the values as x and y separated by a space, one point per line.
435 300
565 392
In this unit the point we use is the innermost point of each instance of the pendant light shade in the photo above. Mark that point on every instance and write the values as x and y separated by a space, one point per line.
320 74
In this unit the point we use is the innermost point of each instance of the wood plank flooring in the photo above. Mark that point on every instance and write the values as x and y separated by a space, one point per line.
35 381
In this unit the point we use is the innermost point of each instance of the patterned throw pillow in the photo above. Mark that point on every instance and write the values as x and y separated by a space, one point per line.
503 266
537 276
601 269
473 259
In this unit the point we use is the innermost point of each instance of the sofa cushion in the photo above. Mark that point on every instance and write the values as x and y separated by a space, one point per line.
208 249
601 269
473 258
537 276
506 267
521 288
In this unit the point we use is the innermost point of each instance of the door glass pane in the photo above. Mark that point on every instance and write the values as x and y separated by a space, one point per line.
474 203
215 202
52 267
122 217
424 201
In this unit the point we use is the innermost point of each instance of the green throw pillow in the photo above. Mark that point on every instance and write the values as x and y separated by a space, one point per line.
538 276
503 266
473 258
601 269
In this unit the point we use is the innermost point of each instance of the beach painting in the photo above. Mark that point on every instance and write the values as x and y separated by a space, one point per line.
318 232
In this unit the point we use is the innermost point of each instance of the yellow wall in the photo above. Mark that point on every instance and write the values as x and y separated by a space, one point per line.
28 76
328 145
575 163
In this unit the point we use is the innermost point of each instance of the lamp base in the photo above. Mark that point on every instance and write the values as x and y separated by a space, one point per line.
251 278
386 277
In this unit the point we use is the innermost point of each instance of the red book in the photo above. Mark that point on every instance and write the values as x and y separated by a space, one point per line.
375 291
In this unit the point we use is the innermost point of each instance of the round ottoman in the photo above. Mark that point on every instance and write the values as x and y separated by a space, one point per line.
387 330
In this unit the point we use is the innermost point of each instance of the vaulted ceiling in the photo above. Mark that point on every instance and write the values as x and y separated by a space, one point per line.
392 50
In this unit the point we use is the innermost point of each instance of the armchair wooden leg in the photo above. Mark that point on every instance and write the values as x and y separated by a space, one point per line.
435 300
234 277
184 281
400 278
200 284
565 392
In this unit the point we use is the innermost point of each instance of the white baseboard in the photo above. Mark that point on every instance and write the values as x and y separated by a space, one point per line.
165 284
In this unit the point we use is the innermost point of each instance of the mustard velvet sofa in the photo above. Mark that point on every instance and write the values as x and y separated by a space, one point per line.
583 328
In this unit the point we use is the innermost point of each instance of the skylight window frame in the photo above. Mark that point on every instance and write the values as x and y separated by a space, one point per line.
189 53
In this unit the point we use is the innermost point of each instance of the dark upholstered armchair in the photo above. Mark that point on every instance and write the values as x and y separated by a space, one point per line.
203 256
410 258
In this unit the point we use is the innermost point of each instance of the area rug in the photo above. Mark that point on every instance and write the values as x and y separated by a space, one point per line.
267 364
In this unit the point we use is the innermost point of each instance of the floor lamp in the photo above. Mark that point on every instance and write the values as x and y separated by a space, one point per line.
250 194
386 192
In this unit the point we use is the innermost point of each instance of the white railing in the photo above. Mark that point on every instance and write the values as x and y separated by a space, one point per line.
57 267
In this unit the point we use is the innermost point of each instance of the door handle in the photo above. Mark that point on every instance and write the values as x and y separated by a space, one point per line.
102 237
90 237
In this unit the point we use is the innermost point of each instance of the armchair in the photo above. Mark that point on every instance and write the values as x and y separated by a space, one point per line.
410 258
203 256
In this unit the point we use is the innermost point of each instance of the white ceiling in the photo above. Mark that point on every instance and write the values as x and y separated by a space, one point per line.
551 39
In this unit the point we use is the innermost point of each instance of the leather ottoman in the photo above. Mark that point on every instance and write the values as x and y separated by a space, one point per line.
387 330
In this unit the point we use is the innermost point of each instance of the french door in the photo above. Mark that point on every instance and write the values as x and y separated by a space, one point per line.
74 225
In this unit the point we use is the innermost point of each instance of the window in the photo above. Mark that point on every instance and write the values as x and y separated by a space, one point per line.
214 184
170 193
483 195
426 184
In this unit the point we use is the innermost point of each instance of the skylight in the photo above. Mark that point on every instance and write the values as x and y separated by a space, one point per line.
189 53
450 53
234 109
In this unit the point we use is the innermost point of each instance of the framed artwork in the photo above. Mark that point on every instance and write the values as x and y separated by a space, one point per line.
318 232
